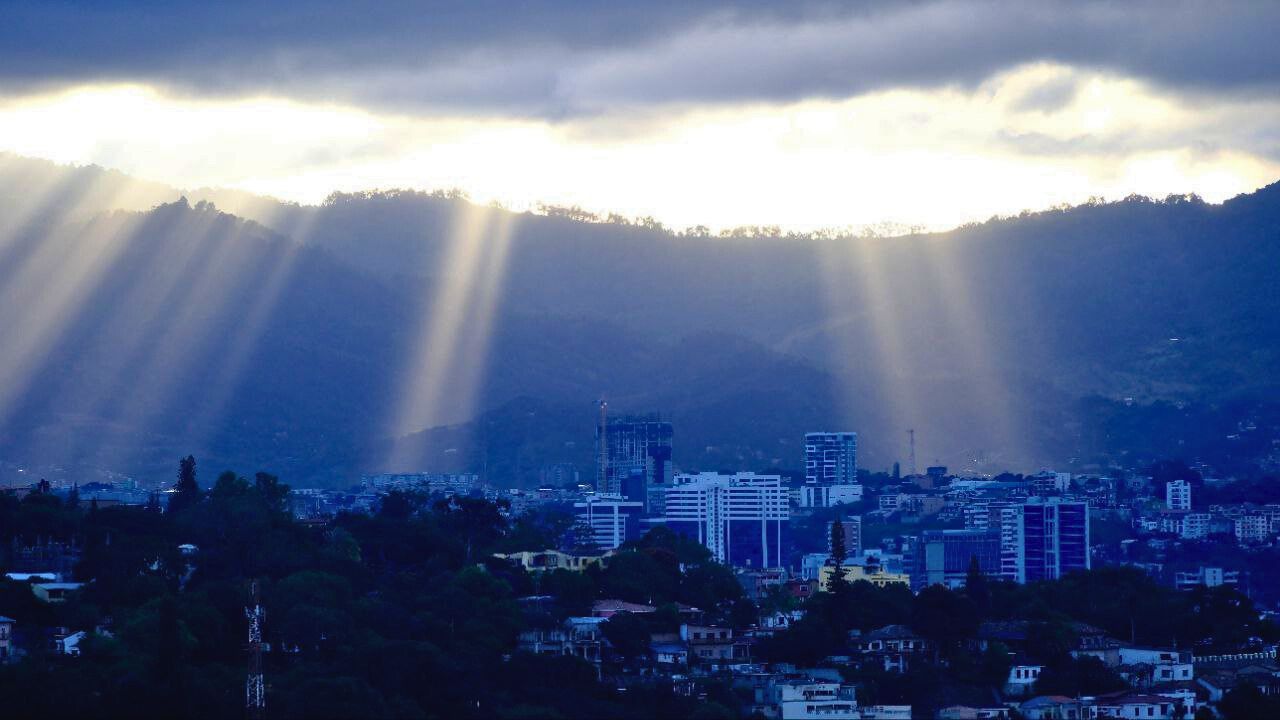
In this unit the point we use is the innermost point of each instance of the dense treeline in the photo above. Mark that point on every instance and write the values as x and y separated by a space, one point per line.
404 613
1125 603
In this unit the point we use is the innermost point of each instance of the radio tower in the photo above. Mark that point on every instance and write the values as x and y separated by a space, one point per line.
255 690
911 437
603 478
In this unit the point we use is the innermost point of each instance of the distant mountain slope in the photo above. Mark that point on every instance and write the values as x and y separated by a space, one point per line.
294 342
983 339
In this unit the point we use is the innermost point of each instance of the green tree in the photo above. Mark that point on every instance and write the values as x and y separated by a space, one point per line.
1248 703
1073 677
943 617
838 585
187 490
995 664
628 633
838 548
976 587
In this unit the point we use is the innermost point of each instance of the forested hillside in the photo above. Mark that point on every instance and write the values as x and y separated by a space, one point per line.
293 336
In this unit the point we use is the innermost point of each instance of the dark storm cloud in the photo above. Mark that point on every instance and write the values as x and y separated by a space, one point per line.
553 58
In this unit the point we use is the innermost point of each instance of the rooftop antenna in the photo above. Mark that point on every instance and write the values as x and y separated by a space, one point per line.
911 436
255 690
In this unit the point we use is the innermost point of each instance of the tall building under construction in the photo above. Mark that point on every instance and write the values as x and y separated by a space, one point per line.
633 456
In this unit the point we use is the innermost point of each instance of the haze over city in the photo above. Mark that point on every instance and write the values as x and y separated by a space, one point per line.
803 361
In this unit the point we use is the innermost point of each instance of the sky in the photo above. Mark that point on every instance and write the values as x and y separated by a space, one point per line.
804 115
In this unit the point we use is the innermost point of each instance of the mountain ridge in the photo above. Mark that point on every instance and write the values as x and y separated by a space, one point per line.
995 341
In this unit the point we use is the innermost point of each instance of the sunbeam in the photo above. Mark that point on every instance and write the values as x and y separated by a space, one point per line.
854 274
173 255
442 378
53 283
247 337
190 333
977 356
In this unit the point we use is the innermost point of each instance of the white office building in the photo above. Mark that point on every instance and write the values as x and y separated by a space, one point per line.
1177 495
612 520
738 517
815 496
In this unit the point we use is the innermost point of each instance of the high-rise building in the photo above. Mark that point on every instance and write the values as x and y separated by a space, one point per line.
739 517
633 456
612 521
1177 495
1043 539
943 557
852 535
831 458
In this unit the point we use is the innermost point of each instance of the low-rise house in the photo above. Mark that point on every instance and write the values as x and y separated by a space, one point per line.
1094 642
541 561
755 685
69 644
29 577
55 592
806 698
609 608
1154 656
714 644
756 583
964 712
669 654
809 699
873 573
1137 706
1208 577
1055 707
920 505
1022 680
6 638
1146 675
544 641
1218 680
885 712
585 637
801 589
892 646
780 619
888 502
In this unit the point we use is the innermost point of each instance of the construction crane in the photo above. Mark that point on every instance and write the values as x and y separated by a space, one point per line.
255 689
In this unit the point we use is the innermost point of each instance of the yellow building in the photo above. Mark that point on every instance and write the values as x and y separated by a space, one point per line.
540 560
854 573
